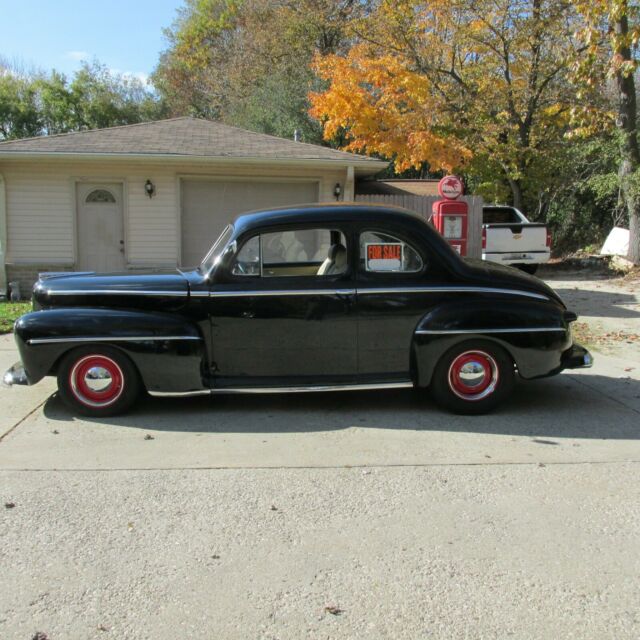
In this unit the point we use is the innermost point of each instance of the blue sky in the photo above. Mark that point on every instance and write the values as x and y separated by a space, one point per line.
126 36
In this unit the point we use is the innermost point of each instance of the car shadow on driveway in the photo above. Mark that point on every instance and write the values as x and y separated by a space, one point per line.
599 303
562 407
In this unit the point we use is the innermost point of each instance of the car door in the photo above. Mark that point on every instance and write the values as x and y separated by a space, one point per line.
283 312
390 278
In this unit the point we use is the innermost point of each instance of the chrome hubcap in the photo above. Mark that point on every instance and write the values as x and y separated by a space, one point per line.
472 374
98 379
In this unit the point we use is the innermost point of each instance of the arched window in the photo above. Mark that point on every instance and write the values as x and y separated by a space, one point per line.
100 196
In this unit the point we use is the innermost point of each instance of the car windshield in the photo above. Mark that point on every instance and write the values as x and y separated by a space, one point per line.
215 253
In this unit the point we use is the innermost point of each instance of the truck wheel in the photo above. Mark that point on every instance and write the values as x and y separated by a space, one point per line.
98 381
473 378
528 268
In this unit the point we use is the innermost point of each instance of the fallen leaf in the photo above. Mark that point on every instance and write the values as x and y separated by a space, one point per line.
334 611
9 505
215 556
40 635
273 507
101 627
55 431
149 437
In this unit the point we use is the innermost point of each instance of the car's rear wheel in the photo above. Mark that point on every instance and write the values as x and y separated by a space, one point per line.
98 381
528 268
473 377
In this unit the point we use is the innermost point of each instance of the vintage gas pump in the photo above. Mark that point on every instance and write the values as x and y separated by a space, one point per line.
450 215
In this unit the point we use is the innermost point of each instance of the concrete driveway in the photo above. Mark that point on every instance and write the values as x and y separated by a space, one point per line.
361 515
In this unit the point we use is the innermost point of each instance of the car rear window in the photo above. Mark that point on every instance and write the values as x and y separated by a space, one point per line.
499 215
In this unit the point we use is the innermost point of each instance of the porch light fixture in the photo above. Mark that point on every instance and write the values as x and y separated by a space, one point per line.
337 190
149 188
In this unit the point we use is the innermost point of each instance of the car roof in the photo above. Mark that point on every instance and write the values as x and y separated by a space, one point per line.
325 213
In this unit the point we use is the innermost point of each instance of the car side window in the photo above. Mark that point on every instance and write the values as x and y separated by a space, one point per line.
383 253
299 252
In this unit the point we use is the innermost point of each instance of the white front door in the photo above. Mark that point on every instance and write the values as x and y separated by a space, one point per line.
100 227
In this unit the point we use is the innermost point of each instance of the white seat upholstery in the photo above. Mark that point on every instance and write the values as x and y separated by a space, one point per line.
336 261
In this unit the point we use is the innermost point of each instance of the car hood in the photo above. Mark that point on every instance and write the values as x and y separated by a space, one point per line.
498 275
133 289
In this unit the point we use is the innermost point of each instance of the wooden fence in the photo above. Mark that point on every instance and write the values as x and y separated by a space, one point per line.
423 204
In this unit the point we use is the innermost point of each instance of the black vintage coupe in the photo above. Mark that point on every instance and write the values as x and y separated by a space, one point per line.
314 298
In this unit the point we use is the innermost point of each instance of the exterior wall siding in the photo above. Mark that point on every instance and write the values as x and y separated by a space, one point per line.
41 208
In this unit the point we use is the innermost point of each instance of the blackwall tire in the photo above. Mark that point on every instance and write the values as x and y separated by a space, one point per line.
98 381
473 378
528 268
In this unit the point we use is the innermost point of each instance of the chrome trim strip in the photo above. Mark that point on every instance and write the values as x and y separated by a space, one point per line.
438 332
511 292
368 291
112 339
265 390
179 394
118 292
316 388
289 292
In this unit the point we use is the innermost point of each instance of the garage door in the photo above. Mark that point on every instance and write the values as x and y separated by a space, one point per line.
208 206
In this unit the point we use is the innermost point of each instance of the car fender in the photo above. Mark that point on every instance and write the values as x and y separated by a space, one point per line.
167 349
534 333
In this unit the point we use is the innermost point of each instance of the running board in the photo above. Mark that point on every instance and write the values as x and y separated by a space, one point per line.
303 389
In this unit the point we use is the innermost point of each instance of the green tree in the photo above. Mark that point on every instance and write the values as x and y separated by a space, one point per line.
247 62
40 104
19 115
611 34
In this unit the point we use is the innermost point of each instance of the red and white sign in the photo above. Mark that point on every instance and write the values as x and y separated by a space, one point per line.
451 187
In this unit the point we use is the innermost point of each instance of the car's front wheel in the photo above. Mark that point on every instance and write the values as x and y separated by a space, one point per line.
98 382
473 377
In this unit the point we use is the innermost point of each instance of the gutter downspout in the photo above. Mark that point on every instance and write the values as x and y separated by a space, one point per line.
349 185
3 237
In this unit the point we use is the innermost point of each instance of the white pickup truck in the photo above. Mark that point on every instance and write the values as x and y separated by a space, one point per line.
509 238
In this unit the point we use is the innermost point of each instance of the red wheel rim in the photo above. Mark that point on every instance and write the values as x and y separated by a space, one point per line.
473 375
96 381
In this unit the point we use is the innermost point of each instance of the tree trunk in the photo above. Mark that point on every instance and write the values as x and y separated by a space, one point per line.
516 192
626 123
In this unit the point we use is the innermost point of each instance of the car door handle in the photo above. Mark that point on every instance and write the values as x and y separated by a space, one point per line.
345 294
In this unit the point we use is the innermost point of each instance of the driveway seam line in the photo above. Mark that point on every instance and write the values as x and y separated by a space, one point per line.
17 424
335 467
612 398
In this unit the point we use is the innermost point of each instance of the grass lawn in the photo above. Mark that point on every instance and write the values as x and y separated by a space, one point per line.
10 312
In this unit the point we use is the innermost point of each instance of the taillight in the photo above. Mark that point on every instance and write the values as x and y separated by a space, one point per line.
484 237
549 238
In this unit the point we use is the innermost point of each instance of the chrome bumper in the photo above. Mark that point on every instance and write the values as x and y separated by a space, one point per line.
577 357
15 375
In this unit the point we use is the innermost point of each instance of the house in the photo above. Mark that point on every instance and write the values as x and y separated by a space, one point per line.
155 194
399 187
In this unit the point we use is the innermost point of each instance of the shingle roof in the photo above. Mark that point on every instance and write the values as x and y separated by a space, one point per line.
181 137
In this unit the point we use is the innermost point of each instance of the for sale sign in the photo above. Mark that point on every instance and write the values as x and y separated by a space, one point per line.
384 256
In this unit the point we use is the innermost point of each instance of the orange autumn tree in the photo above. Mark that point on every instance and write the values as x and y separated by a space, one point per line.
455 83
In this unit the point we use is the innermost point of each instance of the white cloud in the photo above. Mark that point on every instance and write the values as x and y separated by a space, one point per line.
77 55
138 75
